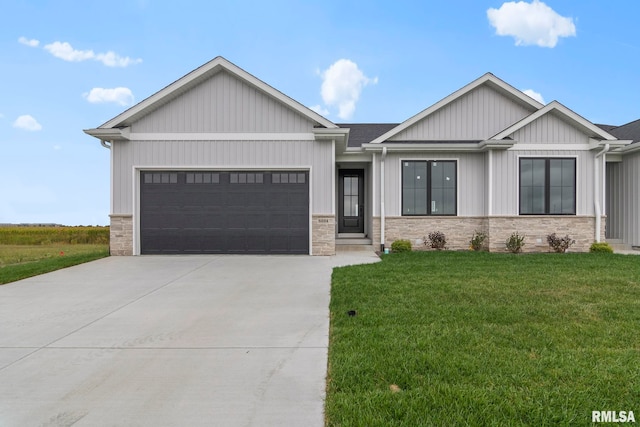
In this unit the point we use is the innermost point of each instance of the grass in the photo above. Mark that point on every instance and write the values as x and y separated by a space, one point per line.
479 339
30 251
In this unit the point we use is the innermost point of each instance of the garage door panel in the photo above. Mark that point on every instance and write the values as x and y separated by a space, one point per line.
224 212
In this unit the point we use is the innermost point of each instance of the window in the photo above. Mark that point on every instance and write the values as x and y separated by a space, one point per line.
160 178
547 186
288 178
203 178
245 178
429 187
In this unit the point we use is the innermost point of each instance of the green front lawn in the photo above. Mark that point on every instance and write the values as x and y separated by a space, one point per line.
465 338
22 261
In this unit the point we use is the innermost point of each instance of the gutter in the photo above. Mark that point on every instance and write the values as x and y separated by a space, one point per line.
596 199
382 213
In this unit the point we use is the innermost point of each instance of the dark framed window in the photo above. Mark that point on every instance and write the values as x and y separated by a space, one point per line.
429 187
547 186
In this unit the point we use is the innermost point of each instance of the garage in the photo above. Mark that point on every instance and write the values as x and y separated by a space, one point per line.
224 212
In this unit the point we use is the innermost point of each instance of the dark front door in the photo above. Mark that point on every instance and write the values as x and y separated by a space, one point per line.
351 201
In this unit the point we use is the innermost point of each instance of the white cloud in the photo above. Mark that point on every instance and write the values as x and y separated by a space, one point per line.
120 95
65 51
342 84
111 59
68 53
320 110
27 122
29 42
535 95
532 23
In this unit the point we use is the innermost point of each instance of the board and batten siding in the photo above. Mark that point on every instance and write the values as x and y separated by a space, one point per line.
471 188
550 129
506 178
211 155
477 115
223 103
614 201
623 187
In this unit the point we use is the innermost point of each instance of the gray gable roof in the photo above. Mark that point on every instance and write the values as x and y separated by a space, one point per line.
363 133
629 131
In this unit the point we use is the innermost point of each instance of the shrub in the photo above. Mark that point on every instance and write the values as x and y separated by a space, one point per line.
602 247
401 246
477 241
437 240
514 243
560 244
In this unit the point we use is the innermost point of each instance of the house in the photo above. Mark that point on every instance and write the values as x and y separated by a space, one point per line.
221 162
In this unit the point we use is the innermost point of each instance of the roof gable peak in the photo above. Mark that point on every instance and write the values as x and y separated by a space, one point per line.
196 76
486 79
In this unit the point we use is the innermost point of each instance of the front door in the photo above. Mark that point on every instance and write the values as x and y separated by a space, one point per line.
351 201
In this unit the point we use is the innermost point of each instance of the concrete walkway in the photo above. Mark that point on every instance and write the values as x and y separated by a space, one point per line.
169 341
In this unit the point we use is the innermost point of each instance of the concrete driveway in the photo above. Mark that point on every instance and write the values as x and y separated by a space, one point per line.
169 341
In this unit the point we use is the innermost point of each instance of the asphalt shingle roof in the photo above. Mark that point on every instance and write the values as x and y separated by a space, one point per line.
629 131
362 133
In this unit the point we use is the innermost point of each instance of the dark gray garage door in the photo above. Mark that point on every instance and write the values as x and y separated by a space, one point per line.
248 212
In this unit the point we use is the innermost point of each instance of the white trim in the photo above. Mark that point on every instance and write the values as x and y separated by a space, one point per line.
140 168
563 111
201 73
488 77
222 136
552 147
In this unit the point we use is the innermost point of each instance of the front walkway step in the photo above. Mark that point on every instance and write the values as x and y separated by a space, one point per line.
353 248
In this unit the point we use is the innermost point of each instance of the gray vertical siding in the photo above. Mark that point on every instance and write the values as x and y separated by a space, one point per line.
505 174
550 129
222 154
629 188
614 198
471 188
223 103
479 114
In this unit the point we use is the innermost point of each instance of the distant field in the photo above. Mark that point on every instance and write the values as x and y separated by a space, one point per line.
30 251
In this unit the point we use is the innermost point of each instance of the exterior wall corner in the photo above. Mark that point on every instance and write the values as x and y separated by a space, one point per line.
323 235
121 235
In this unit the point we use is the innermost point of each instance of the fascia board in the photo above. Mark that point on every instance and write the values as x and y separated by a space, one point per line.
109 134
374 147
455 95
208 69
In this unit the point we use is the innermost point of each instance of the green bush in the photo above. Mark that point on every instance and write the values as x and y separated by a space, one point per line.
477 241
401 246
602 247
560 244
437 240
514 243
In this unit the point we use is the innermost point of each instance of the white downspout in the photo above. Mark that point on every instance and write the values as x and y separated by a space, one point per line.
596 198
105 145
382 213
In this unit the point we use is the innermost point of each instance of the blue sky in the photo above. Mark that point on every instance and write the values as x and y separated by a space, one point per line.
70 65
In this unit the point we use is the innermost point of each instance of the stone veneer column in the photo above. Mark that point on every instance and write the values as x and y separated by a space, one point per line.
121 234
323 235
